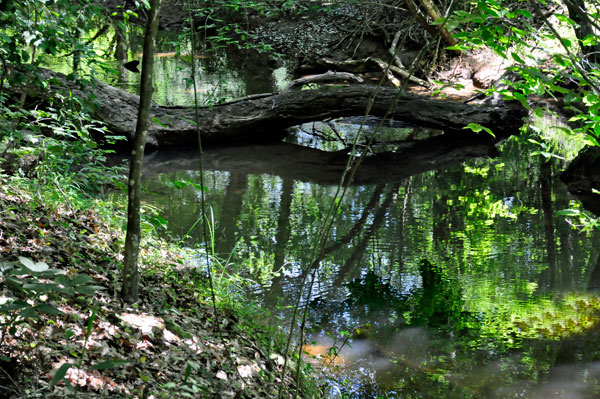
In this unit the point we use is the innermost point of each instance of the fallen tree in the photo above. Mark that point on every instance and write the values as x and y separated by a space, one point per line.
265 116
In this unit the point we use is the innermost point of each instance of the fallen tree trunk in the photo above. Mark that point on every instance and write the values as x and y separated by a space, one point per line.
265 116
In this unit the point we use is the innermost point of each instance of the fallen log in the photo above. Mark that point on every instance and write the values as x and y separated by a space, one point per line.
267 116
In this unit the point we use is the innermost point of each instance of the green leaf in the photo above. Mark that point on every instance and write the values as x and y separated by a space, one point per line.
80 279
34 267
569 212
516 57
89 289
13 283
47 309
524 13
200 187
29 313
109 364
476 127
6 266
158 221
90 323
590 40
40 287
179 184
15 305
457 47
60 373
565 19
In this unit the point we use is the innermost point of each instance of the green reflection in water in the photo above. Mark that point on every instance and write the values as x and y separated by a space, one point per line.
223 75
463 281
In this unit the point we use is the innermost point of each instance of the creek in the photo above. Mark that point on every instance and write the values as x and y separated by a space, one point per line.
461 281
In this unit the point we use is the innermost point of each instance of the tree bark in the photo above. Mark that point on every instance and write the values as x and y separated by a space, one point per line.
266 116
131 275
584 27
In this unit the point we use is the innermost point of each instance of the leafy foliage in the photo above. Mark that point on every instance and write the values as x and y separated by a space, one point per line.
548 57
32 284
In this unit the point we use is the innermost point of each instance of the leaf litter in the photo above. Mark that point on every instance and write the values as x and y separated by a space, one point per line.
170 344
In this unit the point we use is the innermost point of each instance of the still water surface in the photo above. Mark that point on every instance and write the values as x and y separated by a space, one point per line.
456 282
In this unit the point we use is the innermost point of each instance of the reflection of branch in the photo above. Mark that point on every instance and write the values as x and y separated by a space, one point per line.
355 229
232 201
335 131
361 246
594 282
548 213
283 223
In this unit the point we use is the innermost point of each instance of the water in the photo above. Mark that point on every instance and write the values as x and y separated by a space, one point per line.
221 75
453 283
439 278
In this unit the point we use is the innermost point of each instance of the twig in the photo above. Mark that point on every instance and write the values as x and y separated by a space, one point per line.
402 72
328 76
64 196
392 49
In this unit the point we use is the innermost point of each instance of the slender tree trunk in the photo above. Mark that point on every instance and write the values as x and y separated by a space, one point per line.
131 275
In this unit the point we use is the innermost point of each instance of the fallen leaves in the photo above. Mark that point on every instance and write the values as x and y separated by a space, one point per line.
169 344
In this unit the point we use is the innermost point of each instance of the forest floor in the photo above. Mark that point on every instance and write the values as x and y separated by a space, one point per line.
169 344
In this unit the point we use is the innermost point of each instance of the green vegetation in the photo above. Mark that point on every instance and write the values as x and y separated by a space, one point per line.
446 277
64 330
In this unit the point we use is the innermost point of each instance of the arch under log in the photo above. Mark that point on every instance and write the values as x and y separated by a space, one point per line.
263 117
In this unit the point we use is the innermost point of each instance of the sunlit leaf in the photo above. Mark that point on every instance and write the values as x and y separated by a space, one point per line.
34 267
569 212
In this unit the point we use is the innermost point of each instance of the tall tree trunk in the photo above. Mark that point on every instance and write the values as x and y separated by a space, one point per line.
584 27
131 274
434 13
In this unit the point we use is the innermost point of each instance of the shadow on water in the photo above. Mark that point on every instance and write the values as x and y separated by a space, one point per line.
453 278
